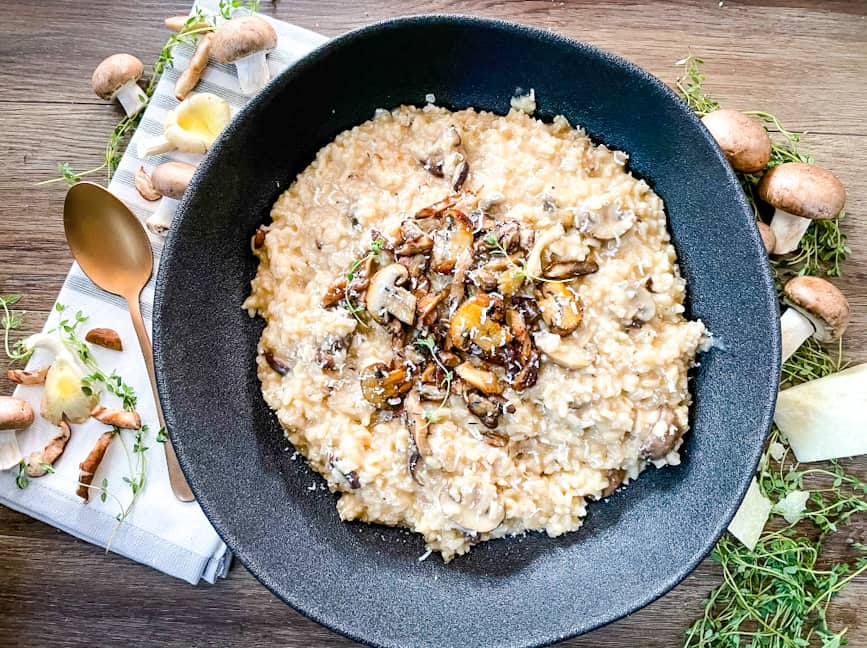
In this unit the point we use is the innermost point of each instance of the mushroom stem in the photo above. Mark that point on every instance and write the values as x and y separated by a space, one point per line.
794 329
788 230
146 148
131 97
253 73
161 220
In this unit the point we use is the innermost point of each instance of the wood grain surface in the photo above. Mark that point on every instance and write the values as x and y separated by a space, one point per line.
805 60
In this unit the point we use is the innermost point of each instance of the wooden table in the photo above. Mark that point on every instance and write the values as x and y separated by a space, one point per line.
805 60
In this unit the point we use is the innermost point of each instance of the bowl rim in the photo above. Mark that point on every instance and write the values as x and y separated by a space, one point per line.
311 59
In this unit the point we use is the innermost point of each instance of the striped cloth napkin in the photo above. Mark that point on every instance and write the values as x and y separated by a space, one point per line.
169 535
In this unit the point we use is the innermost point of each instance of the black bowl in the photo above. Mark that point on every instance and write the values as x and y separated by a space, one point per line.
365 581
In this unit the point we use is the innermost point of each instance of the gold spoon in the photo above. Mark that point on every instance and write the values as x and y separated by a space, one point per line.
112 248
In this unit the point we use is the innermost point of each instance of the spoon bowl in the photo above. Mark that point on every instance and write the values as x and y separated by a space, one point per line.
107 240
113 250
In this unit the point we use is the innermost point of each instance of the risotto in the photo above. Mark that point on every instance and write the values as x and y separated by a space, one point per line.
475 324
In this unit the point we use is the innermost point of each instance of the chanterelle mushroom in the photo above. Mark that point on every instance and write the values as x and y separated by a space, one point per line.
15 414
170 180
245 41
116 78
742 138
818 308
385 296
191 127
800 193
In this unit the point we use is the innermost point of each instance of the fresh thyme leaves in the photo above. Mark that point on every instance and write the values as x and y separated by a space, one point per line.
22 481
691 86
374 253
776 596
227 8
12 320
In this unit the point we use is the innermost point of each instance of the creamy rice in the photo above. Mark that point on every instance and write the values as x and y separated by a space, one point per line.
611 396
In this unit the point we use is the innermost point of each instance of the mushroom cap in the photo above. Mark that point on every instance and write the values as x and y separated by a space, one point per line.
114 72
769 239
803 190
822 303
15 413
240 37
171 179
741 137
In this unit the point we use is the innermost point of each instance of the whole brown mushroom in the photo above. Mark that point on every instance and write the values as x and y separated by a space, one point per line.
117 78
742 138
15 414
170 180
245 41
800 193
817 309
769 239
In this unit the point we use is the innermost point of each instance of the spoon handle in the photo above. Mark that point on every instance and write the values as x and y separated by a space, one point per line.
179 484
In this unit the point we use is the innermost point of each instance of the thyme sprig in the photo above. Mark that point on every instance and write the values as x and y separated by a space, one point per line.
12 320
777 595
429 344
374 253
521 265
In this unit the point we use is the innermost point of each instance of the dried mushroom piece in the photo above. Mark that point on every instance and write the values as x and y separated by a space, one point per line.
27 376
478 511
40 461
126 419
87 468
384 387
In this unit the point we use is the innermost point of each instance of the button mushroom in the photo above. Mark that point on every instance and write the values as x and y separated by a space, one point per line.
742 138
15 414
800 193
382 386
478 511
170 180
818 309
477 326
385 296
561 308
607 221
482 379
191 127
245 42
117 78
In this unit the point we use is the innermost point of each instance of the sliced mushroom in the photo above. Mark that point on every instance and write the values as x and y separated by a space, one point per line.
382 386
332 352
561 308
522 366
615 480
477 326
278 365
417 266
451 241
608 221
541 242
507 234
436 209
479 512
462 267
39 461
487 276
559 270
528 308
385 296
27 376
482 379
459 177
568 353
486 407
127 419
418 433
657 430
427 304
105 337
335 292
415 240
87 468
144 185
642 307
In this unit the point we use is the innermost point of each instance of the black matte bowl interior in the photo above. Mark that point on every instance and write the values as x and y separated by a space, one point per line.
365 581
